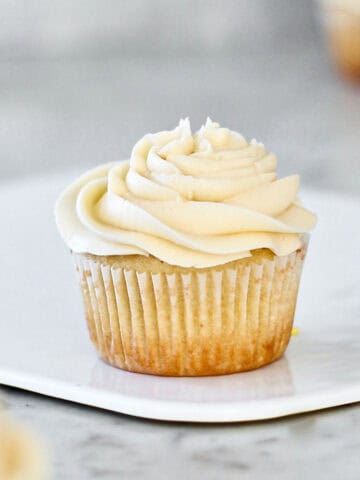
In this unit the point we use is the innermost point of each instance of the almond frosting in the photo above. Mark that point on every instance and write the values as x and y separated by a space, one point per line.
192 200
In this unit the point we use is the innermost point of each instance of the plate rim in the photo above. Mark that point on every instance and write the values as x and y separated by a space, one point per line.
177 411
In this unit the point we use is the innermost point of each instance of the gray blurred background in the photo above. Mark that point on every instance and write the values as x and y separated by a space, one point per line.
81 81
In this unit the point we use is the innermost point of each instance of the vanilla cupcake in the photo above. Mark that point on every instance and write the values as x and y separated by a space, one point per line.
342 21
21 455
189 254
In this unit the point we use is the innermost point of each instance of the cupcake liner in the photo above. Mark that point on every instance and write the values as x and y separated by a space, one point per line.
190 322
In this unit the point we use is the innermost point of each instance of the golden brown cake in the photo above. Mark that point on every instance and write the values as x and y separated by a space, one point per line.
189 254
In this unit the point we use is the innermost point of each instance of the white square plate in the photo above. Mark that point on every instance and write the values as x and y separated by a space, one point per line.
44 345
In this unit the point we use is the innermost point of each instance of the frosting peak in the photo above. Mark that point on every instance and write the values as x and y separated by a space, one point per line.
199 200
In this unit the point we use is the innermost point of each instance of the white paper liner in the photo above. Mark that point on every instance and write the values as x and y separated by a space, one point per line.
201 322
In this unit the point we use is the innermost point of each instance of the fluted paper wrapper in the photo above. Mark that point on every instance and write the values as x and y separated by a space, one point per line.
190 322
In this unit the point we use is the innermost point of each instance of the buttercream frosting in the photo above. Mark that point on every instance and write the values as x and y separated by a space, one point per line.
192 200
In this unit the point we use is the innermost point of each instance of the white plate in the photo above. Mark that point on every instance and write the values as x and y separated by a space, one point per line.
44 345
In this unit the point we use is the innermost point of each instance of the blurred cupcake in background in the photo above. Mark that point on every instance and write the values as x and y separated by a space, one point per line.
342 20
21 454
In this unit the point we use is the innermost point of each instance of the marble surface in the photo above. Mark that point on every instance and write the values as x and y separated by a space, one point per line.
54 116
91 444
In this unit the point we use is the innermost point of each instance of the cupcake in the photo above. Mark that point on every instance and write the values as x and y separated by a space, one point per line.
21 455
189 254
343 26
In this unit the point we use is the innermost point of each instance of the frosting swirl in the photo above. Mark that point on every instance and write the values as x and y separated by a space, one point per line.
190 200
